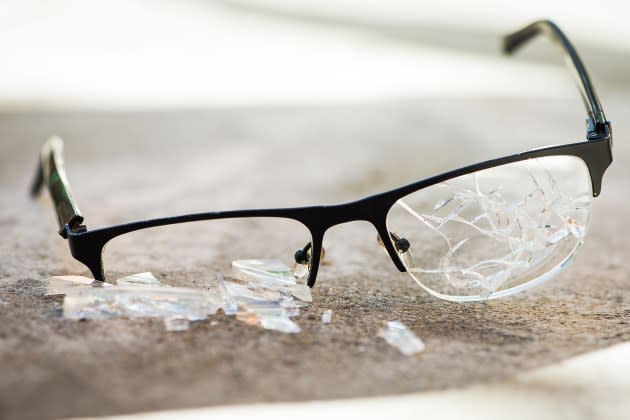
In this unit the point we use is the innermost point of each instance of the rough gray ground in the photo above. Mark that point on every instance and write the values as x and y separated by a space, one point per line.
131 166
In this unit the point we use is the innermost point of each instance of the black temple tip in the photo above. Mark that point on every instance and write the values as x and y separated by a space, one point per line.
515 40
38 181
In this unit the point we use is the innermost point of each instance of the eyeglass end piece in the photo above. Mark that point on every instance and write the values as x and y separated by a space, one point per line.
513 41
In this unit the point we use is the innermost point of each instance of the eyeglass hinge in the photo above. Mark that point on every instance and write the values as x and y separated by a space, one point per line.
597 131
74 227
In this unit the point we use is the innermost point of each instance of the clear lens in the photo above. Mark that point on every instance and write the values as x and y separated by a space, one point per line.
189 254
494 232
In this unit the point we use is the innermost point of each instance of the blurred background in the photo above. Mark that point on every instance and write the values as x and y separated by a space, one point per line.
140 54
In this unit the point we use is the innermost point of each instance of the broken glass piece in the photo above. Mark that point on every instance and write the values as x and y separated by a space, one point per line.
266 293
302 292
275 282
398 335
3 302
327 316
263 270
138 301
140 279
281 324
229 306
251 292
59 285
268 314
270 318
176 323
263 293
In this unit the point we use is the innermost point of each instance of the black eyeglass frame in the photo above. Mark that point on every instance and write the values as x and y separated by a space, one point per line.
86 245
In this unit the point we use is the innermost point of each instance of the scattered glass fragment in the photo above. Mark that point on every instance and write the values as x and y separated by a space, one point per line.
89 302
302 292
270 274
262 293
213 323
282 324
3 302
267 294
262 270
327 316
263 313
398 335
229 307
140 279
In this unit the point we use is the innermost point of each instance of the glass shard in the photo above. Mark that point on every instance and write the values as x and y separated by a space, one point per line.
89 302
229 306
267 294
396 334
262 293
281 324
302 292
327 316
140 279
263 270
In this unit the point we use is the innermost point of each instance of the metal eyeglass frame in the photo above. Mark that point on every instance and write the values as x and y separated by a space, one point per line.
86 245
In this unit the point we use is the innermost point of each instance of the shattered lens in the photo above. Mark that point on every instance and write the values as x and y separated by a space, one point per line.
192 254
494 232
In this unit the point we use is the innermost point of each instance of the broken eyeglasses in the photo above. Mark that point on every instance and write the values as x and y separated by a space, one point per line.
483 231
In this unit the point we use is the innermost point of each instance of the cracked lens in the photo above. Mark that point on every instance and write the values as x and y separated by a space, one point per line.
496 231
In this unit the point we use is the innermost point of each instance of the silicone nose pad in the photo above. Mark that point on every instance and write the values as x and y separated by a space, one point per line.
302 257
402 246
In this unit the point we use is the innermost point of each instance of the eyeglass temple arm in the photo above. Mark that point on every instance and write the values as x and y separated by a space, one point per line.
596 119
51 172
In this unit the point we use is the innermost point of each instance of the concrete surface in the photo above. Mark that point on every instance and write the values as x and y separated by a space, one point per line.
590 386
128 166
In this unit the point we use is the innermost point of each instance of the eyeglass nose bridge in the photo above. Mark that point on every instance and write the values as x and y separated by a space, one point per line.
317 252
357 211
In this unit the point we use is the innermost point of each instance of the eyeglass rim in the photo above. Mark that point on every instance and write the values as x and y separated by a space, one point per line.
542 278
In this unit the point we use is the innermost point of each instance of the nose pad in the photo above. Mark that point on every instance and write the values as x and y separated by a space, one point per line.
303 258
402 246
